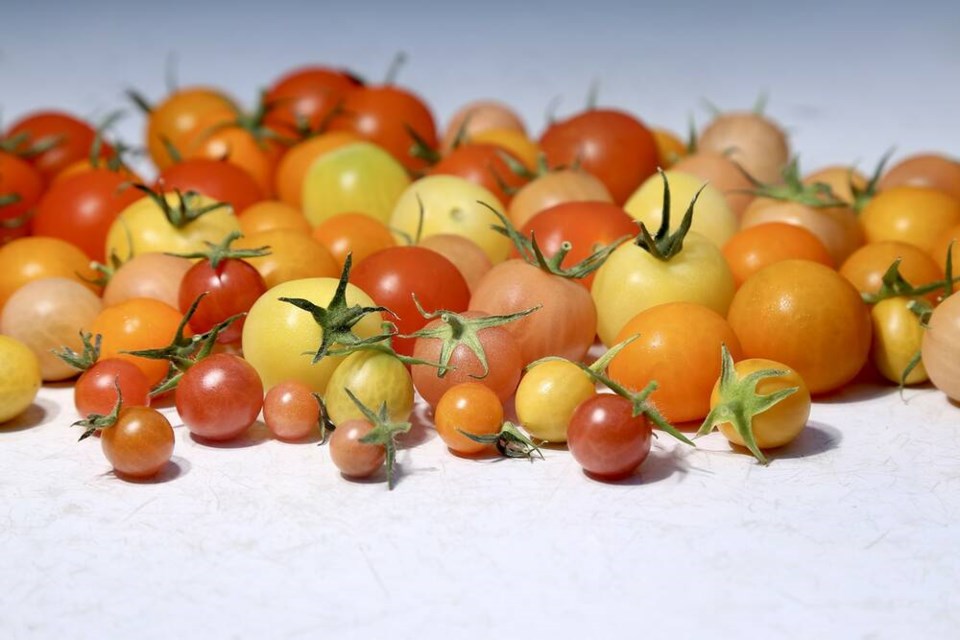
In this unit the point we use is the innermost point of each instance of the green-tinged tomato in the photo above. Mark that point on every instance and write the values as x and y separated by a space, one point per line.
375 378
451 205
355 178
897 336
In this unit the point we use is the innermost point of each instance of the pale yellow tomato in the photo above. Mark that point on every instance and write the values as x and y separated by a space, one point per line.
19 377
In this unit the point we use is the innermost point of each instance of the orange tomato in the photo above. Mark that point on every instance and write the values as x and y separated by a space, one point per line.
753 248
180 118
670 148
915 215
515 141
272 214
355 233
293 256
940 248
841 180
924 170
27 259
866 266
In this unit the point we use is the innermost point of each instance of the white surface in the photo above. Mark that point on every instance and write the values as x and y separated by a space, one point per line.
853 533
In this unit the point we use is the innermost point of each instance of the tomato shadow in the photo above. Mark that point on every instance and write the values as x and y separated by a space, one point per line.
421 427
660 465
257 434
40 412
867 385
175 468
815 439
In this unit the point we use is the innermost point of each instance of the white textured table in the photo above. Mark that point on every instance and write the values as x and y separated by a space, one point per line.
852 532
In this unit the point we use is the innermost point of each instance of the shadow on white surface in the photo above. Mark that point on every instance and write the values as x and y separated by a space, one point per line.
174 469
660 465
421 429
40 412
815 439
257 434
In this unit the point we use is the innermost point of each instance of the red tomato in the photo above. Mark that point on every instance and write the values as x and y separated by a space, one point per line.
96 388
217 179
612 145
70 140
482 164
291 411
219 397
307 96
20 187
394 275
140 444
231 287
606 439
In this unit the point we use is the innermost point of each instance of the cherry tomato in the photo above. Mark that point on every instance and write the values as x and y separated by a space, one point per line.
752 140
231 287
307 96
148 275
66 138
27 259
897 338
269 215
721 172
179 118
836 227
469 407
548 395
915 215
293 256
552 189
841 180
867 265
513 142
612 145
941 347
140 444
20 185
296 162
353 233
291 411
753 248
219 397
924 170
19 377
374 378
216 179
96 388
482 164
480 116
606 439
465 254
355 459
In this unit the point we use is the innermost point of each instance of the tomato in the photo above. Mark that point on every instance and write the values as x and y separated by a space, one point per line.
451 205
924 170
231 287
588 226
359 177
280 339
353 457
670 148
393 276
216 179
514 142
27 259
146 226
915 215
548 395
268 215
482 164
375 378
841 180
806 316
753 248
465 254
136 324
566 323
353 233
632 280
940 347
750 139
20 187
179 118
948 242
219 397
19 377
80 209
66 139
385 115
677 346
606 439
307 96
291 411
293 256
897 338
48 314
836 227
470 407
148 275
555 188
612 145
722 173
296 162
139 444
713 220
501 351
96 388
866 267
480 116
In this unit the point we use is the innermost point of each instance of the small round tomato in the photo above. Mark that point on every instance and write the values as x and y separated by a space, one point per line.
268 215
65 140
465 254
291 411
924 170
139 444
231 287
20 187
148 275
612 145
514 142
19 377
472 408
897 338
476 117
307 96
179 118
296 162
606 439
214 178
374 377
27 259
915 215
753 248
353 457
293 256
219 397
806 316
551 189
751 139
841 180
721 172
941 347
867 265
484 165
353 233
548 395
96 388
836 227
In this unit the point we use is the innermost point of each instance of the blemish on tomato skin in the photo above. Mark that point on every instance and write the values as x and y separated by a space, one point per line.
457 214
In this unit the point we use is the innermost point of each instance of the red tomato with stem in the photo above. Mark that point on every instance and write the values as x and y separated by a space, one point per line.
482 164
217 179
307 96
231 287
64 138
606 439
96 388
219 397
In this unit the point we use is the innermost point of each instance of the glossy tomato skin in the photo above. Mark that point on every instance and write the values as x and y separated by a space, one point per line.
140 444
548 395
753 248
382 114
217 179
231 287
472 408
96 388
81 208
556 187
393 276
606 439
36 257
291 411
179 118
148 275
375 378
73 140
610 144
307 96
866 266
355 459
20 178
915 215
219 397
484 165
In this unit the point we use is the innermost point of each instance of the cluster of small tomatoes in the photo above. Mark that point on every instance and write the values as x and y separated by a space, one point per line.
326 258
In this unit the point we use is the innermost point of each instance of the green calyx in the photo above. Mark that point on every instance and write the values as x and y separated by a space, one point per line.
337 320
106 271
420 148
457 330
183 352
7 199
861 196
86 358
217 253
384 433
818 195
665 245
187 208
96 422
510 441
894 285
638 400
740 402
22 146
531 253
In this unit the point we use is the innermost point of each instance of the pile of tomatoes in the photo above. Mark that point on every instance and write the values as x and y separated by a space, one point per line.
330 256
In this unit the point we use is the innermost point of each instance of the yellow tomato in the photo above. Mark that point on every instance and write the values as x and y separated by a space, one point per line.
916 215
897 337
293 256
19 377
548 395
374 377
516 142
